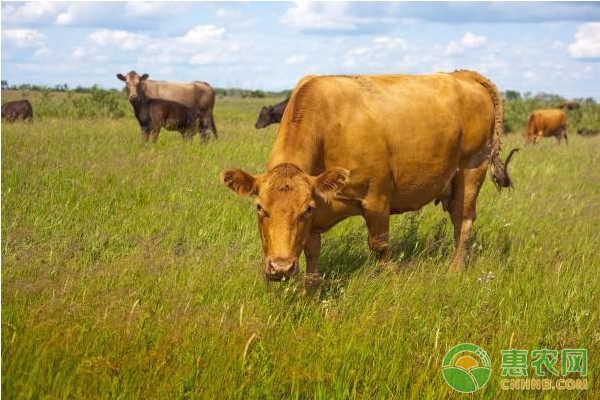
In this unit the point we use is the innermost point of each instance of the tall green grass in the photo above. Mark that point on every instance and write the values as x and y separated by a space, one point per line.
129 271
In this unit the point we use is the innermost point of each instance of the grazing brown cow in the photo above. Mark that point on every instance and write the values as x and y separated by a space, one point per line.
15 110
270 114
374 146
546 123
198 95
152 114
569 105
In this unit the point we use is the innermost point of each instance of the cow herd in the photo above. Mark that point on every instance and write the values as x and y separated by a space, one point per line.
368 145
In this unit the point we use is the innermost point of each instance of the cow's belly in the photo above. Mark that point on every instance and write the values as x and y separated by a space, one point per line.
414 190
422 167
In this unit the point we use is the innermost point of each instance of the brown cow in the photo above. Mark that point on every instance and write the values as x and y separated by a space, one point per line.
198 95
546 123
373 146
152 114
15 110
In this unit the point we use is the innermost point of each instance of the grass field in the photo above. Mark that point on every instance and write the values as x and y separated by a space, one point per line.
130 271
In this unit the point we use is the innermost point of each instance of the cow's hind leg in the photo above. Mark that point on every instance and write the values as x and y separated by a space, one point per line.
213 126
208 125
563 134
462 208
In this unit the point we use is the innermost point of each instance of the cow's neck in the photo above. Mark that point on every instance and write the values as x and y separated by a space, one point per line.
298 144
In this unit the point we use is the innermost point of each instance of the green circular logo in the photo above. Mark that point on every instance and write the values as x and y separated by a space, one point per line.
466 368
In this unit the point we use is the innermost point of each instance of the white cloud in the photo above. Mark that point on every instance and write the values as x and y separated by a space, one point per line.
209 58
390 43
306 16
118 38
358 51
201 35
21 13
468 41
226 13
295 59
587 41
145 9
378 53
24 38
473 41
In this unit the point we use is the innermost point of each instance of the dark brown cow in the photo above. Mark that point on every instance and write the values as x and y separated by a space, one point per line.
152 114
546 123
569 105
270 114
195 95
374 145
15 110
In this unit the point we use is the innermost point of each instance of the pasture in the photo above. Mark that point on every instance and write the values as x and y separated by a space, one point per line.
130 271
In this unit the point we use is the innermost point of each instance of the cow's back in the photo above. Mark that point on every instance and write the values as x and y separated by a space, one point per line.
411 132
190 94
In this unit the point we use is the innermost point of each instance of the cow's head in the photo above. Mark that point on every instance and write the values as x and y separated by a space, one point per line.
264 118
133 83
285 199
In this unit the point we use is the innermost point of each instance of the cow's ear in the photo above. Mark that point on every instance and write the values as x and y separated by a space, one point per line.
330 183
121 77
240 182
144 77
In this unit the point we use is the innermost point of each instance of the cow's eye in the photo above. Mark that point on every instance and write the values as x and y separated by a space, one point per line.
260 211
308 211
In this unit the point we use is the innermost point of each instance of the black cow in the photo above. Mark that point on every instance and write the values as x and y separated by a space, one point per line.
270 114
14 110
152 114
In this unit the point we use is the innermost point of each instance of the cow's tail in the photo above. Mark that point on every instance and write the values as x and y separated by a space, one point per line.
498 168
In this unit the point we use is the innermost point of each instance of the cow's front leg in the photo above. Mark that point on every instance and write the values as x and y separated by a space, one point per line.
378 224
154 135
312 250
145 135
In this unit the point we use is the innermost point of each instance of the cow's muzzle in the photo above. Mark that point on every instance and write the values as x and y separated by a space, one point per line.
280 269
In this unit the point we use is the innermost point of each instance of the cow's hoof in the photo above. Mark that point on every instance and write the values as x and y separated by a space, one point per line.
457 268
383 266
312 283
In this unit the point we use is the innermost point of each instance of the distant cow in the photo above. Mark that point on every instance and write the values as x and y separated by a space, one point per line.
270 114
569 105
194 95
14 110
152 114
588 132
546 123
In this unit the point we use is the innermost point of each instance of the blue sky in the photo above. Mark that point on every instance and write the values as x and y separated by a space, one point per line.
525 46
